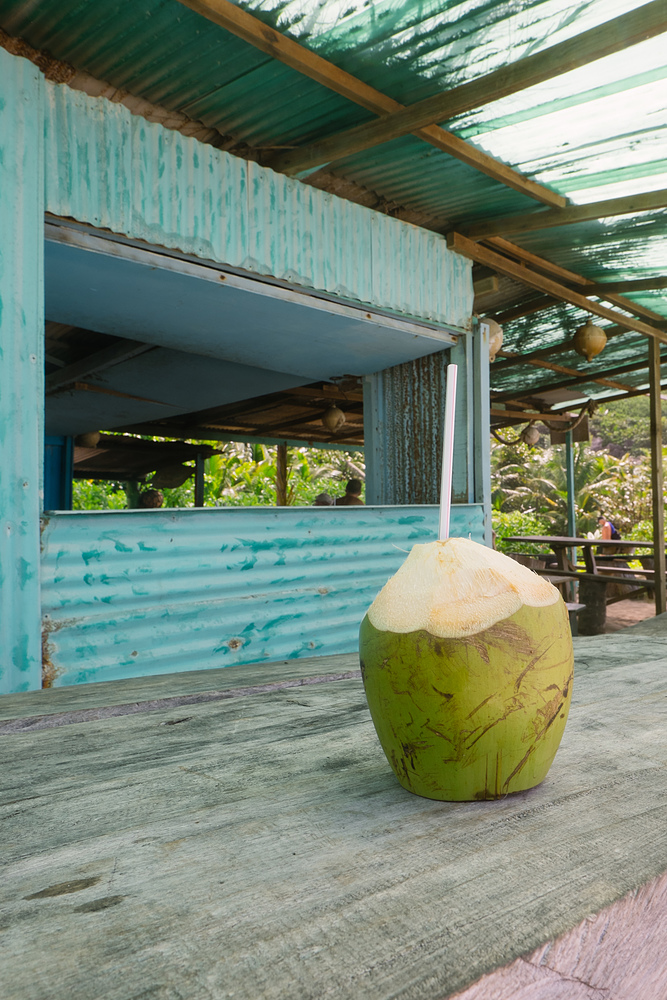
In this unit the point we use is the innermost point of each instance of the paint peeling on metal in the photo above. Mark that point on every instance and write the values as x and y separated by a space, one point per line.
191 590
113 170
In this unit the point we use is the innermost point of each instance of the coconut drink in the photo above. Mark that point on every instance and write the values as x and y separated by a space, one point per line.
466 658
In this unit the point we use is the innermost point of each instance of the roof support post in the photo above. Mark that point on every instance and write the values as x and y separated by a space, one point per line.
200 464
281 475
21 370
657 476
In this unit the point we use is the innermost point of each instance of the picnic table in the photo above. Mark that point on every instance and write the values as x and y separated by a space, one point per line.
239 833
561 545
598 570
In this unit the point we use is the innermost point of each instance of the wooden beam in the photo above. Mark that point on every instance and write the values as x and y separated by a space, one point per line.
591 288
89 387
612 36
468 248
508 359
97 362
485 286
529 415
574 373
286 50
528 309
326 392
578 378
637 285
530 221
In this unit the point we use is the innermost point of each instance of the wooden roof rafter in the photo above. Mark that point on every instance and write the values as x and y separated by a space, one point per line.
227 15
570 215
577 378
612 36
589 287
527 276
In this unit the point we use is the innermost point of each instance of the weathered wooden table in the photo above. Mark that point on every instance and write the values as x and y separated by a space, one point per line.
238 833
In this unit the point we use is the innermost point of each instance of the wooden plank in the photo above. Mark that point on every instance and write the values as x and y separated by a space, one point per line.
261 847
468 248
155 689
657 478
528 222
286 50
601 290
612 36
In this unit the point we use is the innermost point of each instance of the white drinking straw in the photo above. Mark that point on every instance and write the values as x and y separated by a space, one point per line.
447 453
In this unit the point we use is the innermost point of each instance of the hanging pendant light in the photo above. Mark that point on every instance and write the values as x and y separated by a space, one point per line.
589 340
333 419
530 435
495 337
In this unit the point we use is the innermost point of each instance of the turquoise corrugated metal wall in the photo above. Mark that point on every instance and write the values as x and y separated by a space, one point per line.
129 593
111 169
21 369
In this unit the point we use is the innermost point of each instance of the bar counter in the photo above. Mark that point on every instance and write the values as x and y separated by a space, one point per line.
239 833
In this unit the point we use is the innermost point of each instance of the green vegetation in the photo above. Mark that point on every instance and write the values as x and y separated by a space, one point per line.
241 475
529 484
624 426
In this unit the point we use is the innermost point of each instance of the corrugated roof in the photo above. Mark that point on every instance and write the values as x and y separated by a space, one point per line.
593 133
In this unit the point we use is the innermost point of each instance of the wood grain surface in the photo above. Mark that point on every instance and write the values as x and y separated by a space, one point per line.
617 954
260 847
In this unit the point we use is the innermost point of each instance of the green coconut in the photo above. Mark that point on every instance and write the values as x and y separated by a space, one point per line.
466 658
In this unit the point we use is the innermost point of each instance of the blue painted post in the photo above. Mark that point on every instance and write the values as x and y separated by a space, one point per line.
21 370
569 473
58 472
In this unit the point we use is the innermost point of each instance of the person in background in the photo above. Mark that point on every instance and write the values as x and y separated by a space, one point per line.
323 500
609 532
352 496
150 498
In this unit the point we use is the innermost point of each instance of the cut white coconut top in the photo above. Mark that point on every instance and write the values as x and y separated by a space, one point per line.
456 588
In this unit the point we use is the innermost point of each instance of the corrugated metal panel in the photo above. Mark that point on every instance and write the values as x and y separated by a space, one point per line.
114 170
21 370
404 411
129 594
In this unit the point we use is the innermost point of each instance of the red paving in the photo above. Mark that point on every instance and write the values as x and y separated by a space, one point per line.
625 613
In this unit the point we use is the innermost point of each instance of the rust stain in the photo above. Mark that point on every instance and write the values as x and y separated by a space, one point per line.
50 671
